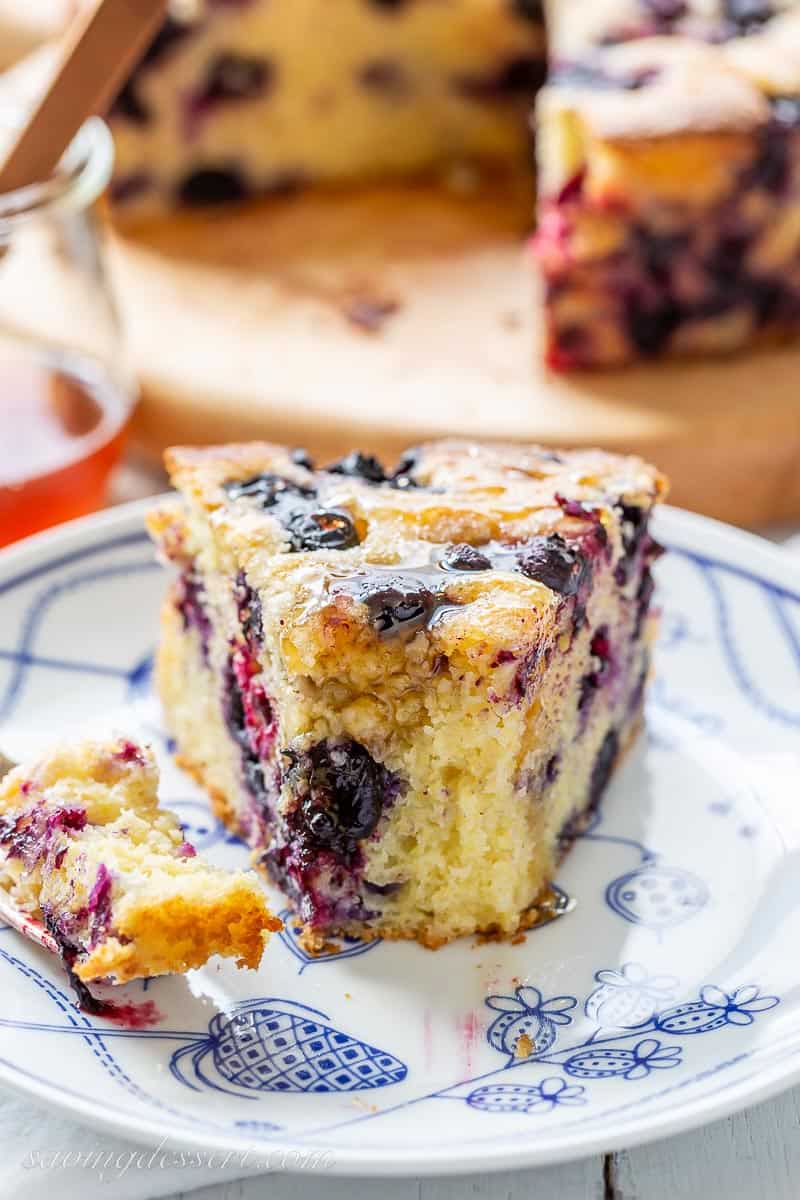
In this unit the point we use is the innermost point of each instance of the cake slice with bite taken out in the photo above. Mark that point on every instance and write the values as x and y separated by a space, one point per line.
407 689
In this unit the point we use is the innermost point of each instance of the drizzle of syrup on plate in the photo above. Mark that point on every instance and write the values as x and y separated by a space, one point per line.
130 1015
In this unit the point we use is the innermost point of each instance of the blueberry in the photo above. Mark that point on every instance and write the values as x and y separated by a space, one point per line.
667 11
129 104
574 508
633 530
369 313
549 560
321 529
340 793
644 595
520 76
593 75
254 780
308 525
125 188
171 34
190 600
398 605
529 10
235 77
212 185
602 769
249 608
302 458
589 685
386 77
552 768
658 251
785 110
267 489
403 476
769 299
69 952
650 327
233 709
600 650
383 889
747 16
9 826
772 167
99 905
360 466
229 78
259 778
463 557
634 525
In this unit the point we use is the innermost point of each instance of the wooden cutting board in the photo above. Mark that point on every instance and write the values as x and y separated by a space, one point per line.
397 314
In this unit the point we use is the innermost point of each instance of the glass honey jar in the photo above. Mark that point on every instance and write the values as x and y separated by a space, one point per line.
66 393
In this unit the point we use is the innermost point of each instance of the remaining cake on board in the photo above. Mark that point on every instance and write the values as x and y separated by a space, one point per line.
86 850
669 214
264 97
406 690
667 143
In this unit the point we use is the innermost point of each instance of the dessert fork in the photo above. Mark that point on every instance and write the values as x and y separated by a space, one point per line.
9 912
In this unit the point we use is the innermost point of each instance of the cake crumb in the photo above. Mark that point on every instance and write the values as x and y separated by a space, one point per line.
315 943
524 1047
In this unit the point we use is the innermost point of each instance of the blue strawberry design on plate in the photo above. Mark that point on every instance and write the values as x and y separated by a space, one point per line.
280 1046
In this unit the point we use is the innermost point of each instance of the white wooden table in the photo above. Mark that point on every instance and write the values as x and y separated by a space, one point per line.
751 1156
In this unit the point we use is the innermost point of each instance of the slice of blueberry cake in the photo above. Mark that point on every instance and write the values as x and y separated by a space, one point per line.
669 183
262 96
407 689
85 849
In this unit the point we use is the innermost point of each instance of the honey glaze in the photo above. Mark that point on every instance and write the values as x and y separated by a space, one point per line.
551 905
62 429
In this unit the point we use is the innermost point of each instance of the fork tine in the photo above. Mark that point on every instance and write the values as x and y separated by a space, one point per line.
13 916
25 924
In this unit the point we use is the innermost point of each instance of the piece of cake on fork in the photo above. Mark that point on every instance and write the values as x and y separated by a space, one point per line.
86 851
407 690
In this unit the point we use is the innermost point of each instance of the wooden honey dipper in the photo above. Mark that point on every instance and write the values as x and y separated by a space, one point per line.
98 52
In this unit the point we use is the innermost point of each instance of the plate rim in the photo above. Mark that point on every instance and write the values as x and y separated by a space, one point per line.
771 563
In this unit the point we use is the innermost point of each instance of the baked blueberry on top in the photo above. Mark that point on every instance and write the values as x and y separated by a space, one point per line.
405 724
86 850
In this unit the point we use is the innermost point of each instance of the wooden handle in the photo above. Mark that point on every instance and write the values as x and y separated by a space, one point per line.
100 50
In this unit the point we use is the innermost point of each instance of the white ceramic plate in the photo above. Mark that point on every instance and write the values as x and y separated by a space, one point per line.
669 995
